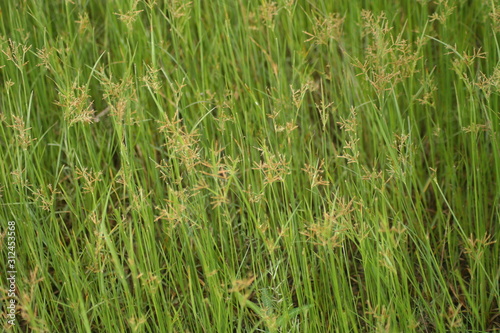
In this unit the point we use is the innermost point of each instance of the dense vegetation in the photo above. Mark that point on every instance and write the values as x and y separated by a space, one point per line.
251 166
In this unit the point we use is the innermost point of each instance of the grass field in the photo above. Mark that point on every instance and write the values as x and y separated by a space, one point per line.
250 166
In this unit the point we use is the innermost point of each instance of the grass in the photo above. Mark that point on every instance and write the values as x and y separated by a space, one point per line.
234 166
